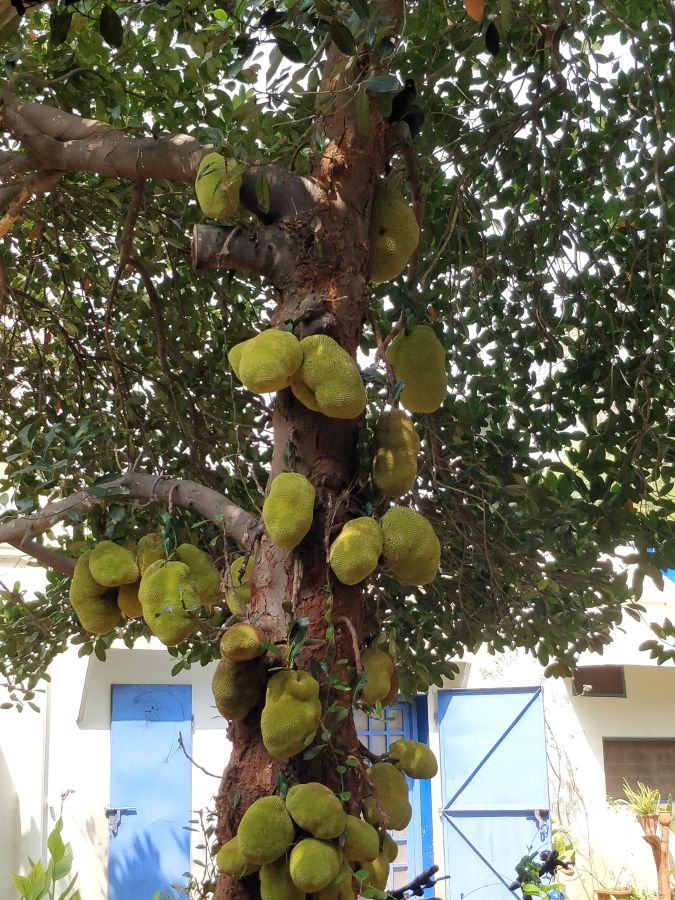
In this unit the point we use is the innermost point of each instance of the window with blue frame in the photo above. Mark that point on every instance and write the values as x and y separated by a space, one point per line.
407 720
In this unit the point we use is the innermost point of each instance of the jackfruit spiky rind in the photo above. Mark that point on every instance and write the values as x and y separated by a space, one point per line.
378 872
342 891
380 668
292 713
149 550
112 565
242 642
169 601
288 509
239 597
410 547
397 446
237 687
204 576
217 186
418 359
394 234
128 602
97 611
266 362
316 809
414 758
314 864
390 794
360 840
231 861
276 882
266 831
355 552
328 381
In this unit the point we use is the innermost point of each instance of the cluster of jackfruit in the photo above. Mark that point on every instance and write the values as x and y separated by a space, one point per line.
418 359
217 186
266 362
394 233
288 509
136 581
328 380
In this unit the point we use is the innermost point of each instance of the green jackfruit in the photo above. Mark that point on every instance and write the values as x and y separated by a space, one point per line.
380 669
413 758
393 692
360 840
390 794
231 860
328 381
169 601
314 864
344 890
394 233
266 362
97 610
355 552
112 565
316 809
418 359
149 549
128 602
389 847
378 872
204 576
237 687
239 597
276 883
288 509
266 831
396 448
292 713
217 186
242 642
411 549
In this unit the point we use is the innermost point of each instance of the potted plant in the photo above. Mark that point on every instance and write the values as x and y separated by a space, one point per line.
654 818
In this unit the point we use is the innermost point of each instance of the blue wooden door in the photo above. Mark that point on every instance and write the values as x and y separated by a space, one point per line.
414 843
151 783
494 786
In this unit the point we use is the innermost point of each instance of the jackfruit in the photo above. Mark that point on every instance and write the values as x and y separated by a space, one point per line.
418 359
169 601
342 891
378 872
265 831
393 693
128 602
217 186
288 509
239 597
112 565
316 809
314 864
390 794
389 847
148 550
204 576
276 883
394 233
360 840
97 611
396 447
237 687
242 642
380 669
232 861
292 713
411 549
413 758
355 552
266 362
328 381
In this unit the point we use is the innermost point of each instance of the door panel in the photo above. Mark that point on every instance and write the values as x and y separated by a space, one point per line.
151 777
494 787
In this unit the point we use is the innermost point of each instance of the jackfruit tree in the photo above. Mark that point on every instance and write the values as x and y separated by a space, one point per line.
328 383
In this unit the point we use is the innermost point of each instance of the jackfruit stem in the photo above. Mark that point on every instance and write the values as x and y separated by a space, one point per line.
355 643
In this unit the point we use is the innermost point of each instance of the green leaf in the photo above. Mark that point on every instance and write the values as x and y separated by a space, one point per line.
342 38
360 7
59 26
362 111
381 84
289 49
262 192
110 26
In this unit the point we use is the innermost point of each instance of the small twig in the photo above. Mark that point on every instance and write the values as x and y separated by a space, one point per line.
133 211
364 752
196 765
418 885
355 643
381 349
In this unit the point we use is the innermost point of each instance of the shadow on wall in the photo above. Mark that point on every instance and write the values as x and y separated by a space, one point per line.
137 872
9 825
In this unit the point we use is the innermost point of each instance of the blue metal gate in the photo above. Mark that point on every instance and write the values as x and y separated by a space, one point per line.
150 790
494 787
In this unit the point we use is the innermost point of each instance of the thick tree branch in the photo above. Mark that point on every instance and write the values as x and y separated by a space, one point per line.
237 523
51 559
263 251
